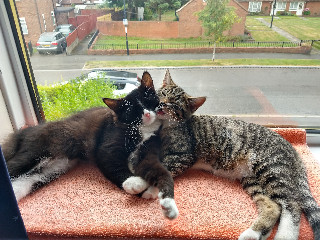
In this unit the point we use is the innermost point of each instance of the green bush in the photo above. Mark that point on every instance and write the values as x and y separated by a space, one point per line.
62 100
306 11
147 15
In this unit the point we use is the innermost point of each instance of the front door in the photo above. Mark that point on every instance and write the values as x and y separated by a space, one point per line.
300 8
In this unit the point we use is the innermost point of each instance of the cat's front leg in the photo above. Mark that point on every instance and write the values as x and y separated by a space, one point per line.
135 185
169 207
151 193
177 164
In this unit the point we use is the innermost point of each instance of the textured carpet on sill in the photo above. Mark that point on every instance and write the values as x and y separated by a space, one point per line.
82 204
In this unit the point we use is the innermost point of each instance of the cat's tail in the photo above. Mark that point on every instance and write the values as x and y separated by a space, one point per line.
11 145
309 205
312 211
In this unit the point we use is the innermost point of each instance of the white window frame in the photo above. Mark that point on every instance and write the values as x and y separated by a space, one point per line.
255 6
24 26
293 6
15 100
281 6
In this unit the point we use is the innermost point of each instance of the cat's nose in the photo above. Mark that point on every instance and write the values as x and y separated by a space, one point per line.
161 105
147 115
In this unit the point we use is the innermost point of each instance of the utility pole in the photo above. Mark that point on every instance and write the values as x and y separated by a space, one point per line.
273 10
125 23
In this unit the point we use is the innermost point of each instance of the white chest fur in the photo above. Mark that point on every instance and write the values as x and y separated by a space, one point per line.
148 130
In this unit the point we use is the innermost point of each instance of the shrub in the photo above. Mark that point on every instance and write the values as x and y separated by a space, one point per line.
62 100
306 11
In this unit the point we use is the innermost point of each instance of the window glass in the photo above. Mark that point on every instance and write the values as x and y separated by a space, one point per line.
293 6
281 5
46 38
255 6
266 95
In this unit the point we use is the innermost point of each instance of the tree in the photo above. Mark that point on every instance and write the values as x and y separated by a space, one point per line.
216 18
160 6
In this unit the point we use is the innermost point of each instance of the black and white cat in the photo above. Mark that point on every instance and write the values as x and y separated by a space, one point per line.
106 136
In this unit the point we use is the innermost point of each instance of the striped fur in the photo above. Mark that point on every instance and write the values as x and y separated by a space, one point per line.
268 167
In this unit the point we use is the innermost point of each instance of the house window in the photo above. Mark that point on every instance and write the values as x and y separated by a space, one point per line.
281 6
255 6
293 6
23 25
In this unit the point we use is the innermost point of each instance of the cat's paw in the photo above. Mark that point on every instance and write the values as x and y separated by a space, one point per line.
169 207
22 186
250 234
151 193
135 185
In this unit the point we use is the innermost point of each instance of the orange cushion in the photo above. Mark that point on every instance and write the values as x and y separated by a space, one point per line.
83 204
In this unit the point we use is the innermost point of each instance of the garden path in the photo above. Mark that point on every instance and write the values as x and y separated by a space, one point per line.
279 30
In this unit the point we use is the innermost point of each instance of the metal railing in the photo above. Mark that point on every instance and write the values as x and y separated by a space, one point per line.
207 44
93 38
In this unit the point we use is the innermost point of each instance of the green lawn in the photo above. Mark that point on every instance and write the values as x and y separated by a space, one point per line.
261 32
168 16
307 28
202 62
134 40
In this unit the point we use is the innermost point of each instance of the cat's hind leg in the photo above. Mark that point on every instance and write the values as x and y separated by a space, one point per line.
289 225
268 212
46 171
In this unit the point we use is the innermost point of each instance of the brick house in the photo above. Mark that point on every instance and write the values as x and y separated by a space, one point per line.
36 17
189 26
63 14
296 7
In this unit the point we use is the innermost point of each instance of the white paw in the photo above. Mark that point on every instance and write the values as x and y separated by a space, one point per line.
135 185
169 207
250 234
22 186
151 193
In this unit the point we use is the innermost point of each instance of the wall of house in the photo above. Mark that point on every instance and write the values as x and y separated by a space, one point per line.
32 11
238 27
314 8
265 7
188 21
62 17
150 29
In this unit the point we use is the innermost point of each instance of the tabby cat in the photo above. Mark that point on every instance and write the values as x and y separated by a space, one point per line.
39 154
268 167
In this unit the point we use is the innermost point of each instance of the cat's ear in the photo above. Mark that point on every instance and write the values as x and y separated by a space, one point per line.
114 104
195 103
167 79
146 80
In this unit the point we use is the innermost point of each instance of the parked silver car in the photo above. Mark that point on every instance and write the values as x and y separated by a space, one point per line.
51 42
124 81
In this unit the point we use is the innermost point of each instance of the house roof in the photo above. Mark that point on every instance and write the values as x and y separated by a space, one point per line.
184 6
69 2
63 9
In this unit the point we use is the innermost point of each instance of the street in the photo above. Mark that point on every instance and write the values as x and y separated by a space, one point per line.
287 96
